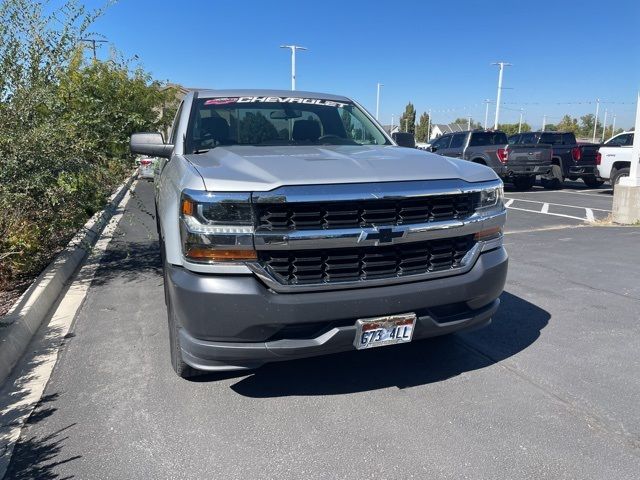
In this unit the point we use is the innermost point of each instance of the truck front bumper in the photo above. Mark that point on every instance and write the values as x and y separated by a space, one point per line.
235 322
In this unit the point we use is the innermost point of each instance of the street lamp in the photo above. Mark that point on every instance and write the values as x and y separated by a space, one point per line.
501 65
378 100
293 49
486 112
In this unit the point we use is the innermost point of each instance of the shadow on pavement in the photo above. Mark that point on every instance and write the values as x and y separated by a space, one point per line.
32 456
516 326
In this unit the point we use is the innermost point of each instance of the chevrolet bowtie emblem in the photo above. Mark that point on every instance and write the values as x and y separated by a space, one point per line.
384 235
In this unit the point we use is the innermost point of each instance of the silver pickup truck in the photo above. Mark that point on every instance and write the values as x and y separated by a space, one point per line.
292 225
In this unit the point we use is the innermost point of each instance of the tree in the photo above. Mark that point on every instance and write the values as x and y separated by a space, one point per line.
586 125
568 124
408 119
550 127
64 129
422 131
464 122
512 128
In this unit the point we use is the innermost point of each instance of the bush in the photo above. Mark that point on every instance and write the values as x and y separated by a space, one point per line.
64 130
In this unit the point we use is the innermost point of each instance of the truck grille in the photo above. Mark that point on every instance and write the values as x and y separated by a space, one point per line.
301 267
364 213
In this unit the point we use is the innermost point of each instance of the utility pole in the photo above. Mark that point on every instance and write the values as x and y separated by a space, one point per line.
293 49
501 65
93 43
520 122
486 112
429 126
378 100
613 126
544 122
595 123
604 125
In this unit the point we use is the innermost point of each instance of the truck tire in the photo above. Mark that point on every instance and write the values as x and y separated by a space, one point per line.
179 366
555 180
524 183
592 182
616 175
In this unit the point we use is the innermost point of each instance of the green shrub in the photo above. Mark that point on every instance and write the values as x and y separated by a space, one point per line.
64 129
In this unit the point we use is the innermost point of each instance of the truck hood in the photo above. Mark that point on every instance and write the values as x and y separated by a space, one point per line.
263 168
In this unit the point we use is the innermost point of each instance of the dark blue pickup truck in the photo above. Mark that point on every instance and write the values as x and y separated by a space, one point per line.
570 159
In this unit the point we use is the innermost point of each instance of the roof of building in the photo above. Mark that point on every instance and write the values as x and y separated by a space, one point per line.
450 127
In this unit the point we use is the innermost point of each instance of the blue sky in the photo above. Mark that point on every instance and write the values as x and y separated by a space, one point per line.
434 54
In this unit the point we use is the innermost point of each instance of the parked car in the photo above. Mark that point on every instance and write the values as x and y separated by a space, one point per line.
286 234
614 158
146 168
519 164
571 159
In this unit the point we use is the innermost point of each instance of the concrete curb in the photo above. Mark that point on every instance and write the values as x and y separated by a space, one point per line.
24 318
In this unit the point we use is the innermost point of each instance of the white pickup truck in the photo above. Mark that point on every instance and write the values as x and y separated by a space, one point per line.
295 226
614 158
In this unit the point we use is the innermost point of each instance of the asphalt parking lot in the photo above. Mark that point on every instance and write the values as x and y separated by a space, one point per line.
549 390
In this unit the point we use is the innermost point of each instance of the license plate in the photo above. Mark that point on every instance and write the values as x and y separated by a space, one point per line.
381 331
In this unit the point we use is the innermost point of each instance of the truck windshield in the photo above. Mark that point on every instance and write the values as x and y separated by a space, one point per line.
263 121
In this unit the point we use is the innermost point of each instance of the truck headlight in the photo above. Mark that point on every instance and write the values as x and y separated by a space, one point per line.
490 200
216 227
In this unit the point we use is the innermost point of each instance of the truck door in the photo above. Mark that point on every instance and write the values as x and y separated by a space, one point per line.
456 148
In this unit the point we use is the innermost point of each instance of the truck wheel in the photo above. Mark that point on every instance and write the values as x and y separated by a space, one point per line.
592 182
555 180
524 183
616 175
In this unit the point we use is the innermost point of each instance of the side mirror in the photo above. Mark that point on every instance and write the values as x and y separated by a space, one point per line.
150 144
432 149
404 139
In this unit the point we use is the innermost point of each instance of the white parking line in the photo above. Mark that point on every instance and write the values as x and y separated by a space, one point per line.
545 208
590 216
511 200
548 213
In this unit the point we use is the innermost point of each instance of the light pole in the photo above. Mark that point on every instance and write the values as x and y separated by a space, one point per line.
391 129
429 126
520 122
604 124
378 100
486 112
469 122
501 65
613 126
293 49
595 123
544 122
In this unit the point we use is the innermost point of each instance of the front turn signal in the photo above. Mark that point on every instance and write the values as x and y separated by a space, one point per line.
489 233
219 255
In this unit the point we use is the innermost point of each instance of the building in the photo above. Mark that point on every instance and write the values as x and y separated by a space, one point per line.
391 129
439 129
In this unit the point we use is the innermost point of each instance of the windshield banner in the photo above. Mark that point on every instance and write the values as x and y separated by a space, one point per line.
302 101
